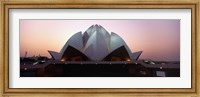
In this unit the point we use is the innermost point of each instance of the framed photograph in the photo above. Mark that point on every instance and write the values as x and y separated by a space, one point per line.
100 48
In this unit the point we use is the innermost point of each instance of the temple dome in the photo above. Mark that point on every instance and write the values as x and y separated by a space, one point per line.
95 44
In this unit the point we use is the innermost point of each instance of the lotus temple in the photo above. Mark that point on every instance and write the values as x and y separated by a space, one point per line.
95 44
96 53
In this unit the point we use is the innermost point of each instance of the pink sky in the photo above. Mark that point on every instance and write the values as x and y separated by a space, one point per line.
158 39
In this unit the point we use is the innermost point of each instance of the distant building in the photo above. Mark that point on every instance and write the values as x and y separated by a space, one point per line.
95 44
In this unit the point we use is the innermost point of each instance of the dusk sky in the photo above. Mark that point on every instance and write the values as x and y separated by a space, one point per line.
158 39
